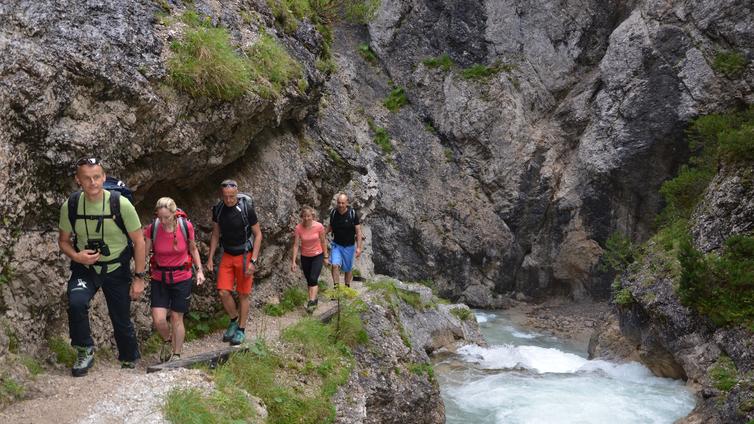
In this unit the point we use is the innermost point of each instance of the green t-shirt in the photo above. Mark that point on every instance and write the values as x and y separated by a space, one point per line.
113 236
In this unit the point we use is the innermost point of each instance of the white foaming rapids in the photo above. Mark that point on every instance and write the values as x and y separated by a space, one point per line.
547 360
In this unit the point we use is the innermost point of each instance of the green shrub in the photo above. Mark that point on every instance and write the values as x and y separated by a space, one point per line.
367 53
623 297
291 299
723 373
65 354
31 364
738 145
729 63
618 254
443 62
482 72
10 388
271 66
720 286
684 192
396 99
198 324
423 369
205 64
464 314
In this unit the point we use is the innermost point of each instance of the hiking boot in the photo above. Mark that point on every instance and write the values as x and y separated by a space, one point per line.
174 357
238 338
311 306
166 350
84 360
127 365
231 331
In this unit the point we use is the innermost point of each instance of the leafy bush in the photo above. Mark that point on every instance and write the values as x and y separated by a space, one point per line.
618 254
464 314
396 99
291 299
684 192
198 324
721 287
443 62
623 297
729 63
205 64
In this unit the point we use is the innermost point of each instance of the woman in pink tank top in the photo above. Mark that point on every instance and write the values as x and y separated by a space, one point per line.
310 234
172 249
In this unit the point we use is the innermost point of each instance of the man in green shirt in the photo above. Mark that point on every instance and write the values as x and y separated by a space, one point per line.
101 257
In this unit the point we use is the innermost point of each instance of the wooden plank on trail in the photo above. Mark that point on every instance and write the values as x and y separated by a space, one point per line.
210 358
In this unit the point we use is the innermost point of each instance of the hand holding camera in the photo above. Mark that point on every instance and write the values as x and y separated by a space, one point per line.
99 246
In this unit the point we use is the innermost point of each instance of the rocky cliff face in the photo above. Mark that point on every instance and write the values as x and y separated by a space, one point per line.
675 341
496 178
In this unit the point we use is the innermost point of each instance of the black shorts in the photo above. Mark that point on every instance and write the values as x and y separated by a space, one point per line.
175 297
312 266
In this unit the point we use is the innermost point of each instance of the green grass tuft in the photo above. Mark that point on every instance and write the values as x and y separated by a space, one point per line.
361 11
65 354
31 364
271 67
479 72
464 314
623 297
205 64
443 62
423 369
396 99
291 299
367 53
729 63
381 137
724 374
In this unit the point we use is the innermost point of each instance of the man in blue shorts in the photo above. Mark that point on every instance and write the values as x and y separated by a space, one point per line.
346 229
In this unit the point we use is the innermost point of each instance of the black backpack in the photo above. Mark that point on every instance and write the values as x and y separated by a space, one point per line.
245 202
350 212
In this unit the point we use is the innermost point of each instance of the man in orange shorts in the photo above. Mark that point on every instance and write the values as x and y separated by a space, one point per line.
234 222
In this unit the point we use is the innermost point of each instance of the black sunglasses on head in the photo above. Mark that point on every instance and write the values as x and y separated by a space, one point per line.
228 185
88 161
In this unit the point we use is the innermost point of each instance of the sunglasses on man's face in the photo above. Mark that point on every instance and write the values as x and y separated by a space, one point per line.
224 185
88 161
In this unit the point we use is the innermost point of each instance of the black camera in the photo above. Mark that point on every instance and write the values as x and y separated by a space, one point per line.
98 245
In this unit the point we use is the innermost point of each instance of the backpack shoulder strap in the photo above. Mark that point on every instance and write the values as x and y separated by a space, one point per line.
73 209
184 229
332 216
216 211
153 236
115 211
352 214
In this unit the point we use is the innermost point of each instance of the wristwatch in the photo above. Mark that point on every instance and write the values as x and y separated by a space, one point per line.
253 261
142 275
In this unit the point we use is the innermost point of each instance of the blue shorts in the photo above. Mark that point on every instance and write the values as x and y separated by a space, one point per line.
342 256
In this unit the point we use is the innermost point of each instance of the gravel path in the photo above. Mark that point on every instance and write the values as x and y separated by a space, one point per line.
109 394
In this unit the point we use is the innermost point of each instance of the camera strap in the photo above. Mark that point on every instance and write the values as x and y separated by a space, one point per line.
100 220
